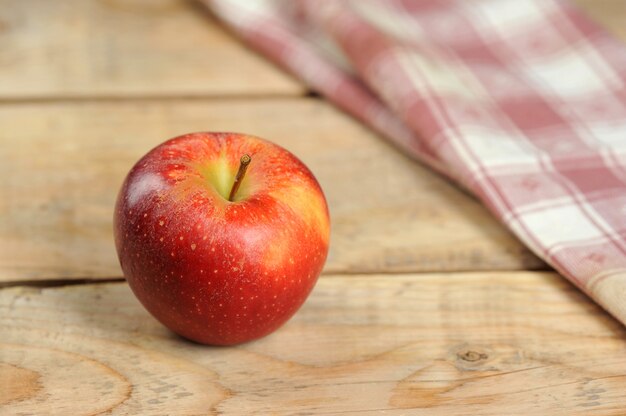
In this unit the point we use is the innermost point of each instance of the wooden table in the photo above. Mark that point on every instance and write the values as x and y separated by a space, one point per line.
427 305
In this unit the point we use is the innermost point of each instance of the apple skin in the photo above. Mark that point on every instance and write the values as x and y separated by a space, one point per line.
214 271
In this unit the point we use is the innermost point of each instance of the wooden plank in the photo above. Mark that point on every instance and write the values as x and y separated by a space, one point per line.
78 48
438 344
63 164
86 48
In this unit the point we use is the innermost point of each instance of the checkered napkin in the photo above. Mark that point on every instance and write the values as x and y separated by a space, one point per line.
523 102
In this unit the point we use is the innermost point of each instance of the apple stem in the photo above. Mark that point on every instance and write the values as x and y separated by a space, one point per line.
243 166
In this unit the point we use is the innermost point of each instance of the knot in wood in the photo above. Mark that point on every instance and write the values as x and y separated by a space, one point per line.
472 356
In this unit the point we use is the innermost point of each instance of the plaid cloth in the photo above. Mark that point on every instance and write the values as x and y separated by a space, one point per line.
521 101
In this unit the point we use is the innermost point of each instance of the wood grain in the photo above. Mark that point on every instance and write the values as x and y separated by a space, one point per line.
63 164
121 48
499 343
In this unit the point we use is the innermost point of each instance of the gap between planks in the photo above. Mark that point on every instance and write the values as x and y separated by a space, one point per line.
61 282
108 98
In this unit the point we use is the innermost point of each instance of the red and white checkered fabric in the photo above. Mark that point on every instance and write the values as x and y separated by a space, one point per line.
521 101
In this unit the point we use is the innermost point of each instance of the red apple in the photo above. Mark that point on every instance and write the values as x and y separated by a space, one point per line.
213 267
